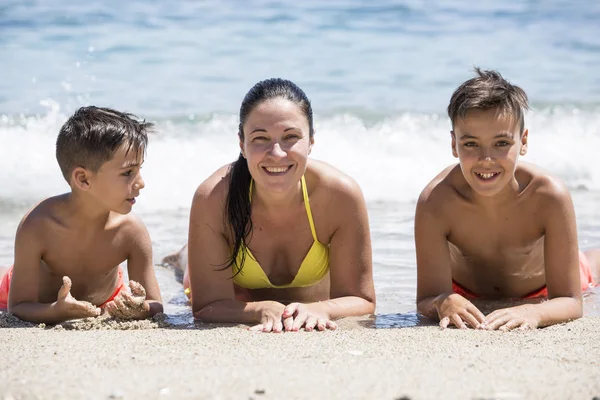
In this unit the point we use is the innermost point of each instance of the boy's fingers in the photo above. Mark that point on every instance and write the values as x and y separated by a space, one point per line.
478 314
64 290
458 322
444 322
497 323
120 304
256 328
128 300
510 325
137 289
471 320
331 325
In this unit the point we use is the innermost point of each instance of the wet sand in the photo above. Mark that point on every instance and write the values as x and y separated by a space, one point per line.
152 359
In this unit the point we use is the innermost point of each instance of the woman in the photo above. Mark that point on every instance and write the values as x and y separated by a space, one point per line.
276 239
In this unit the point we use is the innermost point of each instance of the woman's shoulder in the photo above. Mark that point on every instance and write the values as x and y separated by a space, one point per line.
321 176
214 188
331 188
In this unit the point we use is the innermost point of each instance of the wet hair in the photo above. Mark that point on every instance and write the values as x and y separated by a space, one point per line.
238 210
92 135
489 90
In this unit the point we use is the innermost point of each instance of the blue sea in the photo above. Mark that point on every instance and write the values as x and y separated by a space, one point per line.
379 74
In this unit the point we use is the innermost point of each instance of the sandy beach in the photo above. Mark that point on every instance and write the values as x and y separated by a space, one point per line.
150 359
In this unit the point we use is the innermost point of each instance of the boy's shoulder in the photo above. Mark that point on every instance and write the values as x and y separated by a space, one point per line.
542 185
444 188
44 213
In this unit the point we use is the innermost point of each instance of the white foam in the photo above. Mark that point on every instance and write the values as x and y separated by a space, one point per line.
392 159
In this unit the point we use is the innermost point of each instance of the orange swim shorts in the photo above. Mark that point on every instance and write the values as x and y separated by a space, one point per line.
585 273
5 286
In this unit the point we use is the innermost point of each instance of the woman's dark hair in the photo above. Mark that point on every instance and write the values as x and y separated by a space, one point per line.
238 208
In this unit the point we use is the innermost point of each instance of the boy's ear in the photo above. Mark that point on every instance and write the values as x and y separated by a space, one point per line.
524 138
81 178
454 152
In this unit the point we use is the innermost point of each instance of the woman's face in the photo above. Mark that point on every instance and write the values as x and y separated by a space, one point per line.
276 144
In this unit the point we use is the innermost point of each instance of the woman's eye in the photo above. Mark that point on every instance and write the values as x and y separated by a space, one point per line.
470 144
502 144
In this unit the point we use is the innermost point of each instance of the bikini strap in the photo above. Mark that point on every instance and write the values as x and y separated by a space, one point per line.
250 191
308 211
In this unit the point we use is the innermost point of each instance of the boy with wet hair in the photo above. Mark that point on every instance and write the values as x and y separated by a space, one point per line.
68 248
495 228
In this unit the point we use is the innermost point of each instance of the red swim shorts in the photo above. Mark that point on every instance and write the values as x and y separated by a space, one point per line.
5 286
585 272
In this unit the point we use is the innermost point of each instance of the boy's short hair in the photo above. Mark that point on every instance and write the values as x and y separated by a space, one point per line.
489 90
91 136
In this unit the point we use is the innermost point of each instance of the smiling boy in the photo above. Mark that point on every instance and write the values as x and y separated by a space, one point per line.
68 248
493 227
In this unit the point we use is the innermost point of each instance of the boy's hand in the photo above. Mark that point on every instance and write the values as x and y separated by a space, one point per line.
455 309
129 306
66 305
520 317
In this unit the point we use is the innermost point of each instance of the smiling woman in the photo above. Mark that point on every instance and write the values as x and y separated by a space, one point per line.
278 240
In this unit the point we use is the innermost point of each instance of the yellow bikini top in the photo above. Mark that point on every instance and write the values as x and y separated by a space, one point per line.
313 268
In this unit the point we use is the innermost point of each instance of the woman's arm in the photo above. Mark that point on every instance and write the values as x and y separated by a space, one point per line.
213 296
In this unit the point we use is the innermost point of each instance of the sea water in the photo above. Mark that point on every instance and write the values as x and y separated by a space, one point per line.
379 74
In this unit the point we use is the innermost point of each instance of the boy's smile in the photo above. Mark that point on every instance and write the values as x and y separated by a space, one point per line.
488 144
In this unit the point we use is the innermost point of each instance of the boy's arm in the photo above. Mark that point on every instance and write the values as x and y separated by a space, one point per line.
561 260
140 268
23 299
435 298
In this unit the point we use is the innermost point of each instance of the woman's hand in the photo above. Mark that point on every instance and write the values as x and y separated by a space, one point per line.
307 316
455 309
271 313
275 317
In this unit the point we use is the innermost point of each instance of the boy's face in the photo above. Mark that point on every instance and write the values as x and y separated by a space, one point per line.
118 181
488 144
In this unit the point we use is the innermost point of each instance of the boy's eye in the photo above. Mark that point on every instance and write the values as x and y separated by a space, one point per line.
469 144
127 173
502 143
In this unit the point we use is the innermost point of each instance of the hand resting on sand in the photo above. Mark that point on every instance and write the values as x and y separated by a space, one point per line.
275 317
69 307
129 305
458 311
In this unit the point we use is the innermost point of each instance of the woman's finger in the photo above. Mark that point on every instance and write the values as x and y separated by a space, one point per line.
310 324
300 319
290 309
